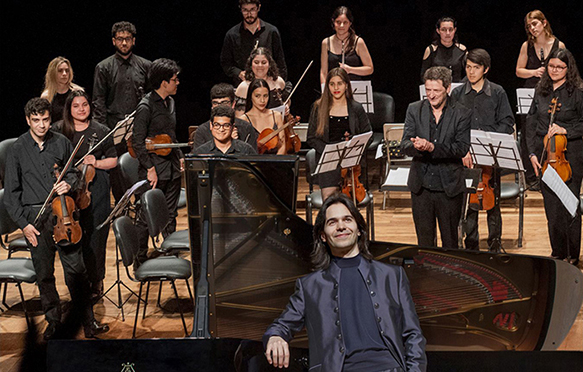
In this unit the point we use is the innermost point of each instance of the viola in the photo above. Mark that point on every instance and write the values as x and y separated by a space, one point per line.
160 144
66 230
351 185
484 198
293 144
268 139
83 199
556 147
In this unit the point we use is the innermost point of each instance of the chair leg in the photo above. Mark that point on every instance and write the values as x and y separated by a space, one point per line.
371 221
384 200
146 301
173 283
189 291
23 304
159 293
309 210
137 310
4 296
520 218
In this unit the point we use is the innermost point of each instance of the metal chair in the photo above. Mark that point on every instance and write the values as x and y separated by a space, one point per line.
384 112
314 198
393 132
513 190
166 268
17 270
156 214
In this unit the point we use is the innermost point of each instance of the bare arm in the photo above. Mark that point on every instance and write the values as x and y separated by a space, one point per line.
521 70
367 67
323 62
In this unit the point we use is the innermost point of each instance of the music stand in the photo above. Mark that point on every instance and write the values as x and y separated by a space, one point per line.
123 129
343 154
121 208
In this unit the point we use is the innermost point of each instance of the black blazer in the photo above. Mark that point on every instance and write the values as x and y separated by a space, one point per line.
357 120
451 146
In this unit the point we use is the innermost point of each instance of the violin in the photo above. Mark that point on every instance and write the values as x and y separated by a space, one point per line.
293 143
268 139
66 230
83 199
555 147
351 185
484 198
160 144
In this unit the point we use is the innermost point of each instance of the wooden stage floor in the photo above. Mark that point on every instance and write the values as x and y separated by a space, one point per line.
393 224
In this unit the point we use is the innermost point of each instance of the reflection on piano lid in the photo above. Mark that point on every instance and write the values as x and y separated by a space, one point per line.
465 300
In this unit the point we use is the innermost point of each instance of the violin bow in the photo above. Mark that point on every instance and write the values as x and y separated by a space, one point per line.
299 81
117 126
59 179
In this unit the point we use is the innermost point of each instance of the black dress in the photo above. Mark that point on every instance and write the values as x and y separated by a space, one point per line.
451 57
534 62
57 105
351 58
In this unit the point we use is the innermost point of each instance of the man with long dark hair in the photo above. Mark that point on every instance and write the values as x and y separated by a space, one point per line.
358 312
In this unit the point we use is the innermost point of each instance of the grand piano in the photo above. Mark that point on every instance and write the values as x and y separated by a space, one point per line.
242 221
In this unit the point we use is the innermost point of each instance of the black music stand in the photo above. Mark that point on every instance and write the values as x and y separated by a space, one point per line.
121 208
123 129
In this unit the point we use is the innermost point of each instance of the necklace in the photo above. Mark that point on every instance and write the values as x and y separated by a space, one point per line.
342 41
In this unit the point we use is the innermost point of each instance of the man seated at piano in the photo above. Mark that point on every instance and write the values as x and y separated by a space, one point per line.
222 124
358 312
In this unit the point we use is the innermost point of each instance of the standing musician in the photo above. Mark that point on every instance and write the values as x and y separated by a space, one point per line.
28 182
223 94
560 80
530 66
344 49
156 115
260 116
437 136
445 50
334 116
58 85
358 312
77 122
119 84
261 65
222 119
491 112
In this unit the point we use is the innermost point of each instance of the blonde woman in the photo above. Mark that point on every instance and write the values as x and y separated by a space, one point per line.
58 84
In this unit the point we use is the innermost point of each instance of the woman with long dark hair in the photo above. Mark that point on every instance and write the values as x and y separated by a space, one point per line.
445 50
345 49
561 80
260 116
335 116
76 123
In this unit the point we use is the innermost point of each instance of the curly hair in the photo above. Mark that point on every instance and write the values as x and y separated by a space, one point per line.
573 79
272 72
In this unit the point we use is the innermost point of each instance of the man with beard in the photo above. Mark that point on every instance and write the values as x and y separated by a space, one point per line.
119 84
246 36
437 136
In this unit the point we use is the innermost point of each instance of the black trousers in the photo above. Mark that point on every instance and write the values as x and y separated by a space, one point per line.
43 259
118 182
565 230
171 190
472 240
94 242
431 206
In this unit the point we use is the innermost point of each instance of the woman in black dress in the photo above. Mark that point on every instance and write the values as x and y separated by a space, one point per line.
58 85
445 50
335 116
560 80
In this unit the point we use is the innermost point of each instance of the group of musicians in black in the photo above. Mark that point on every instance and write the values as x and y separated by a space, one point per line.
436 136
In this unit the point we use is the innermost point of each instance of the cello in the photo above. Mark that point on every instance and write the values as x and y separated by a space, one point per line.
555 147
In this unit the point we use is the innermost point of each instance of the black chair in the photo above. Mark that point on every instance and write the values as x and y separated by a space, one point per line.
17 270
384 112
7 226
513 190
314 198
166 268
156 214
5 146
129 170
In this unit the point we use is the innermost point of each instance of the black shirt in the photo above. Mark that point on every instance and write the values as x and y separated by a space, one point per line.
490 107
246 132
451 57
239 42
118 86
238 147
30 176
94 130
57 105
432 179
154 116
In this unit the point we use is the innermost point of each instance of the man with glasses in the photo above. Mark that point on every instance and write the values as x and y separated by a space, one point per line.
251 33
118 86
222 118
223 94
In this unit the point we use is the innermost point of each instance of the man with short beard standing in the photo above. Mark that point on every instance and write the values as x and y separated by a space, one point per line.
242 38
120 82
437 136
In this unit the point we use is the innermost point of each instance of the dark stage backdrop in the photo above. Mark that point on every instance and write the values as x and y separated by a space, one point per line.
191 32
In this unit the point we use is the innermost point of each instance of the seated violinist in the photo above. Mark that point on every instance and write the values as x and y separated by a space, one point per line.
264 120
222 119
335 116
27 185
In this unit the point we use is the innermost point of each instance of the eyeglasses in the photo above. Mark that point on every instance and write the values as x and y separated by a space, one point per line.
221 102
217 126
249 11
557 68
175 79
120 39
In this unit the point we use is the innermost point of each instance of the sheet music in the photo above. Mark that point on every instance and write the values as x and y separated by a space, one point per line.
331 157
123 132
362 93
397 177
554 181
507 154
524 98
280 109
423 93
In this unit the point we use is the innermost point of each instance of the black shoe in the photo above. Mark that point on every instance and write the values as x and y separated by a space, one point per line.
50 330
533 186
94 328
495 246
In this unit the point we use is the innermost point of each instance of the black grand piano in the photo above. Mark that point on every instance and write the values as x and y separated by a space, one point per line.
241 215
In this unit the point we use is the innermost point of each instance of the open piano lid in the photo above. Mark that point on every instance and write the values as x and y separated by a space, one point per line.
465 300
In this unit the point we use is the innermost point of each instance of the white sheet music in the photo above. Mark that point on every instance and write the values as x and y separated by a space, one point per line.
397 177
524 98
554 181
280 109
124 131
508 154
330 159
